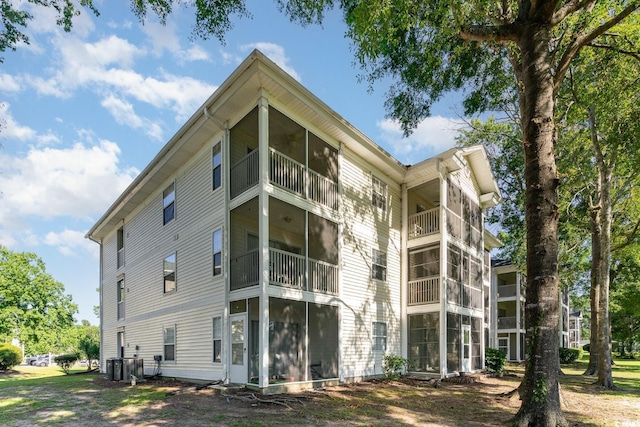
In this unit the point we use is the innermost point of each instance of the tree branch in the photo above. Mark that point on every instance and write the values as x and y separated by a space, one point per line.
583 39
569 8
635 55
495 33
630 237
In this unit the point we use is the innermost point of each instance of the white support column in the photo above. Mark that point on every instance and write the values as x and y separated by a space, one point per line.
404 276
443 271
263 231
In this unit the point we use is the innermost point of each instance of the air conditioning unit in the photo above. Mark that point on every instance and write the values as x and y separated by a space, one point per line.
132 366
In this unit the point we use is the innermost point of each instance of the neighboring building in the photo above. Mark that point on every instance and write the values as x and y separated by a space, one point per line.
507 303
270 242
508 295
575 329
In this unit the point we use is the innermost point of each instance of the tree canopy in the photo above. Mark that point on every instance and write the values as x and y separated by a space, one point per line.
33 305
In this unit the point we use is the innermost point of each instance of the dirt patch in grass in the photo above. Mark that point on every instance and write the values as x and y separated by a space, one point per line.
474 401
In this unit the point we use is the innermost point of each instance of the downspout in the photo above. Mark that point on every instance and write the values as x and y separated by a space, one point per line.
99 242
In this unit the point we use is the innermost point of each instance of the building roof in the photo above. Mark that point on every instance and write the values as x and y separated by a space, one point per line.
255 76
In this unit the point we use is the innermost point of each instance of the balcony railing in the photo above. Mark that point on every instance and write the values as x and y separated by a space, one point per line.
286 173
508 322
323 277
322 190
285 269
244 270
505 291
424 223
244 174
424 291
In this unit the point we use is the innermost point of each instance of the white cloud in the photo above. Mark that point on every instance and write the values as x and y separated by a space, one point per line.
9 83
123 113
432 136
276 54
10 129
47 183
162 37
69 242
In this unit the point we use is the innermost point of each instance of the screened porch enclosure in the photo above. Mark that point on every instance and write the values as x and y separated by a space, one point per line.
303 341
299 161
303 248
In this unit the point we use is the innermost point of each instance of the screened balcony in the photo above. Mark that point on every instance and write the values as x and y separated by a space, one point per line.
298 261
299 161
424 211
424 275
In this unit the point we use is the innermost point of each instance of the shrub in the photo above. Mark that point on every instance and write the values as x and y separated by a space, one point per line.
66 361
393 366
586 347
495 360
569 355
10 356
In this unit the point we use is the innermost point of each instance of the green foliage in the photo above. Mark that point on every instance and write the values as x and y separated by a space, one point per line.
569 355
540 391
66 361
15 18
495 360
89 344
33 307
10 356
394 365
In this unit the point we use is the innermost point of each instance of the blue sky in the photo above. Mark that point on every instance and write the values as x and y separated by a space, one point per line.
83 113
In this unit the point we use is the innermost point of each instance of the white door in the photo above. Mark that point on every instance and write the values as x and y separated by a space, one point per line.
238 366
466 348
503 345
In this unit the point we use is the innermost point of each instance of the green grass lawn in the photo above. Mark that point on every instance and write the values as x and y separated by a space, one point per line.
46 396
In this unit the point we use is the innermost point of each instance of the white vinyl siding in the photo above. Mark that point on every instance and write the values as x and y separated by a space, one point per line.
367 227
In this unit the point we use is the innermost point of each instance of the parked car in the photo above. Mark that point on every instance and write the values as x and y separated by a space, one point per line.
44 360
31 360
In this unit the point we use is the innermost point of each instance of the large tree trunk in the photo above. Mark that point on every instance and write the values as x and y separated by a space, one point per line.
592 368
605 378
540 388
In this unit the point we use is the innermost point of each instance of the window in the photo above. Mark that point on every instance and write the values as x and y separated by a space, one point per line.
120 299
378 193
378 265
170 273
379 336
217 252
169 204
169 342
217 339
120 243
216 164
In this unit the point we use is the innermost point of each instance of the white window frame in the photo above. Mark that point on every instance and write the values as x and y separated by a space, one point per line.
166 343
216 250
379 193
169 199
120 247
379 335
166 273
216 336
216 165
378 263
120 297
